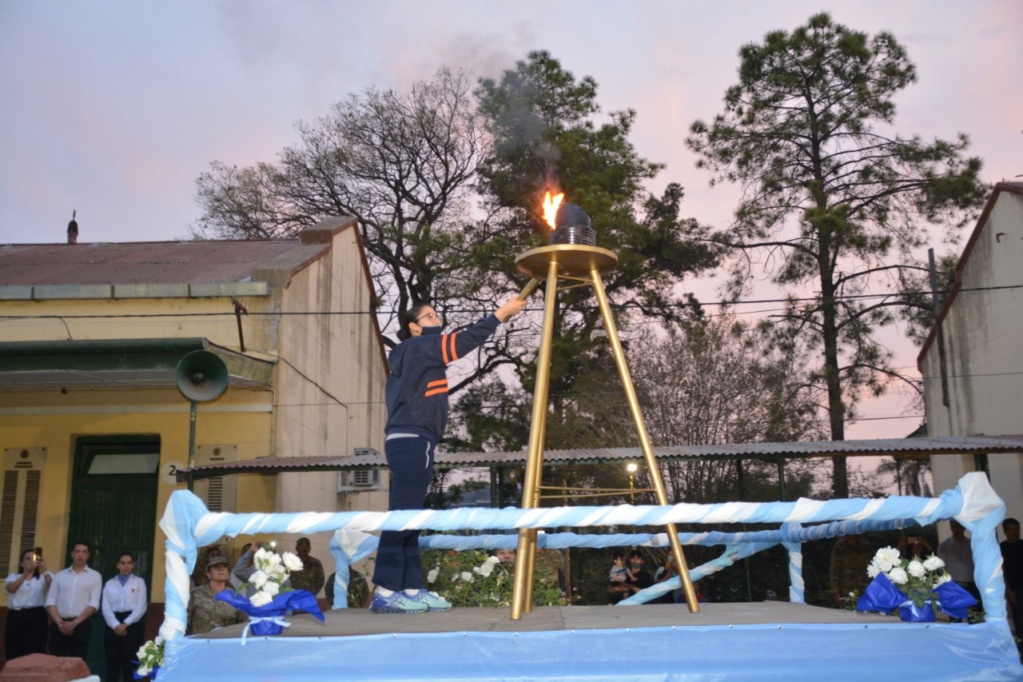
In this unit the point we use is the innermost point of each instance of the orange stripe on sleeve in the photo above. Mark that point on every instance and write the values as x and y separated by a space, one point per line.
435 391
438 382
444 350
454 349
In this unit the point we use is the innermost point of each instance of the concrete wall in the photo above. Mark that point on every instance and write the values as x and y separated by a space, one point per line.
983 333
330 383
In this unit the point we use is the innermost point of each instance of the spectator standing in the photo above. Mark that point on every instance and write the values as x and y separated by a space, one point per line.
311 576
72 599
957 554
26 613
1012 569
124 607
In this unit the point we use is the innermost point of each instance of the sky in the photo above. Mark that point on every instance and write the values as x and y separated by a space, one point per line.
113 108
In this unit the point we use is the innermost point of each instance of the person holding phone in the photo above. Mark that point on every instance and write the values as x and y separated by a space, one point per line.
26 613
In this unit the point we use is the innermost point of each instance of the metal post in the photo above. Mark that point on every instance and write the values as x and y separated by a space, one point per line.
191 440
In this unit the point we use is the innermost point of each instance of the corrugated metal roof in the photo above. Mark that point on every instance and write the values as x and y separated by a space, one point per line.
192 262
909 448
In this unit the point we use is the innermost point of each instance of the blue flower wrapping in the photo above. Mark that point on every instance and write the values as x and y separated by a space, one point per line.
880 595
911 613
150 676
302 600
954 600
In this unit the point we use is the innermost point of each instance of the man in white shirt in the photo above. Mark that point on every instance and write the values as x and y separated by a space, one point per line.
124 607
71 601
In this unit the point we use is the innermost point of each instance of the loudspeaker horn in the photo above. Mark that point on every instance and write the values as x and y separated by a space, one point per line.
201 376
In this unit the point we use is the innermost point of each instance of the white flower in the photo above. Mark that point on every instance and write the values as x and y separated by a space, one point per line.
933 563
292 562
261 555
467 576
898 576
143 650
277 573
486 569
887 558
431 577
258 579
942 579
916 568
144 670
159 640
260 599
272 588
873 570
491 560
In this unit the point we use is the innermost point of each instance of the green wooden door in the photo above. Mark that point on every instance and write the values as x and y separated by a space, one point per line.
113 507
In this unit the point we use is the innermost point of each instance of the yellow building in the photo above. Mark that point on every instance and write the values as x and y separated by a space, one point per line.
93 427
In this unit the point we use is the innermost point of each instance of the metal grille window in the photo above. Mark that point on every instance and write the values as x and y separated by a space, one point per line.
19 510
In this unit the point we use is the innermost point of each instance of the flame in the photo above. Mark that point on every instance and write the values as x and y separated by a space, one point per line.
550 208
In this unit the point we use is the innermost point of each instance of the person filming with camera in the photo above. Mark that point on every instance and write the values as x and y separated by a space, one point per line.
26 614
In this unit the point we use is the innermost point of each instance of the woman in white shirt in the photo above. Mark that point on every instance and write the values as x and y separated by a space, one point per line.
124 610
26 616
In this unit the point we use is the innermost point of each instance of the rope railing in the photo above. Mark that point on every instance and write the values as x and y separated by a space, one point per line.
188 525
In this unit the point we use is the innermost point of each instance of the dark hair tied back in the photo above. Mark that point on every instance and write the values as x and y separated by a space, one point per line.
407 318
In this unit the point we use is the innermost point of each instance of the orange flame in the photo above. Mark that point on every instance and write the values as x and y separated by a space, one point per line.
550 208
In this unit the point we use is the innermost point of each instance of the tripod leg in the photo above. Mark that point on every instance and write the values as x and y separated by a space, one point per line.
644 438
522 590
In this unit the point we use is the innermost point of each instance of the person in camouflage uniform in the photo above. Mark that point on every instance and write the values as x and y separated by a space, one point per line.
849 559
311 576
206 613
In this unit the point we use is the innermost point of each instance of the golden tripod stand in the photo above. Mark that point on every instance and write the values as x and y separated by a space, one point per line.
581 265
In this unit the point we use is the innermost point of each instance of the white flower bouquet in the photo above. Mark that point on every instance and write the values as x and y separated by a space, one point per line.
150 659
915 586
271 596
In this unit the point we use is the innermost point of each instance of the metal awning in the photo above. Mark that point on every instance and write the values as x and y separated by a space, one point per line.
901 448
116 363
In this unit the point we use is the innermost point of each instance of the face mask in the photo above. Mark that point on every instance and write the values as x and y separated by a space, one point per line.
432 330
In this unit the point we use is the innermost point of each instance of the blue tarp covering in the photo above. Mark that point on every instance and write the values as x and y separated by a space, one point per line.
903 651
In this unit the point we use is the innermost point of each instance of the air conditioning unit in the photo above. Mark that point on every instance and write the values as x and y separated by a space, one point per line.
358 480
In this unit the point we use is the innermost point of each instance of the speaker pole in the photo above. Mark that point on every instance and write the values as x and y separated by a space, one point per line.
191 440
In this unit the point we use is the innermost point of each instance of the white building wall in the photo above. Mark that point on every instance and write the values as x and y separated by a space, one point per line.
983 334
330 382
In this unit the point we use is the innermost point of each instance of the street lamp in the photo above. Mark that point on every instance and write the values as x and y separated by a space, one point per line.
631 468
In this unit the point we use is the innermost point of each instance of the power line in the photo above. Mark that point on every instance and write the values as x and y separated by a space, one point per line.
621 306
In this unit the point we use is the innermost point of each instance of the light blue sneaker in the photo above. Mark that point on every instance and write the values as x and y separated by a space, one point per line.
399 602
432 600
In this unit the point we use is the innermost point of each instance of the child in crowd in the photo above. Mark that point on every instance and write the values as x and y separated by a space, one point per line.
619 573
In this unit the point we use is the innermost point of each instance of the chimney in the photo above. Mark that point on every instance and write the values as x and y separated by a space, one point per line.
72 229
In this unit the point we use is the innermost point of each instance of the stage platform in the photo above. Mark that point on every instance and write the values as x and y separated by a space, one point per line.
737 641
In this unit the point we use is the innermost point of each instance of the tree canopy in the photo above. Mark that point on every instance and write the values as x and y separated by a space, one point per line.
834 201
446 183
